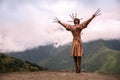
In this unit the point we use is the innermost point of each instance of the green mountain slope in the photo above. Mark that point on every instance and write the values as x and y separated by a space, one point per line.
34 55
10 64
99 56
60 60
106 60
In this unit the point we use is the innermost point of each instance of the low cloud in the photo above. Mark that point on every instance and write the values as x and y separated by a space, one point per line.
28 24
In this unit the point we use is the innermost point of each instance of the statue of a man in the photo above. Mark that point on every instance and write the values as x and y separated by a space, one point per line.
77 51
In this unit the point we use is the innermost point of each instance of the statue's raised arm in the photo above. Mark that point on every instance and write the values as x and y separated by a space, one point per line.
67 26
85 23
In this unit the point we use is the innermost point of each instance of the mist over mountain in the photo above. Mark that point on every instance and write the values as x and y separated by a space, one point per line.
99 56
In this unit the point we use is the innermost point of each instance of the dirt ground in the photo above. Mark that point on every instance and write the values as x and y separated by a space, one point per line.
50 75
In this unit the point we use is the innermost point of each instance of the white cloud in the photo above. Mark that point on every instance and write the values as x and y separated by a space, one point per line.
28 24
102 30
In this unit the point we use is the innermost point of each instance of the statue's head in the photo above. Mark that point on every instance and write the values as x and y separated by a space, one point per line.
76 21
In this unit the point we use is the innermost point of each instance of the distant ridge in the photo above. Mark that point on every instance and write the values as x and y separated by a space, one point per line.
99 56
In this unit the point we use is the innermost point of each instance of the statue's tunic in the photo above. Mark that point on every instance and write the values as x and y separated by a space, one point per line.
76 32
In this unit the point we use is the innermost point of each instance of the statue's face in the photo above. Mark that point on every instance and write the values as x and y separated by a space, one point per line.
76 21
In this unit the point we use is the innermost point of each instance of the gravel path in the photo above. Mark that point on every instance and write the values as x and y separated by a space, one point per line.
49 75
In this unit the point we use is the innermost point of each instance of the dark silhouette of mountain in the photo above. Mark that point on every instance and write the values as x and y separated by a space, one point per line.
10 64
99 56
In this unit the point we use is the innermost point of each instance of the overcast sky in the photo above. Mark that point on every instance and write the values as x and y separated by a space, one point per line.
25 24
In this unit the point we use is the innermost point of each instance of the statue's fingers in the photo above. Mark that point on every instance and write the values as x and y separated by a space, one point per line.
95 13
98 14
54 21
73 15
70 21
56 18
98 10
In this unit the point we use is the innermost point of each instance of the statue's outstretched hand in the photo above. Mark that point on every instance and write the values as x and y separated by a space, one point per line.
97 13
56 20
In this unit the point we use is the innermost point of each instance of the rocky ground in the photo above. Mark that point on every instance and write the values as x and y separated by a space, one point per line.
50 75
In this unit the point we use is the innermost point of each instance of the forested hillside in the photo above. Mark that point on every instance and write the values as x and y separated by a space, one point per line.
10 64
99 56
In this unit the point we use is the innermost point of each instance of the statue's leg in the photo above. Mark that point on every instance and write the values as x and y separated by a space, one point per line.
79 64
75 62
